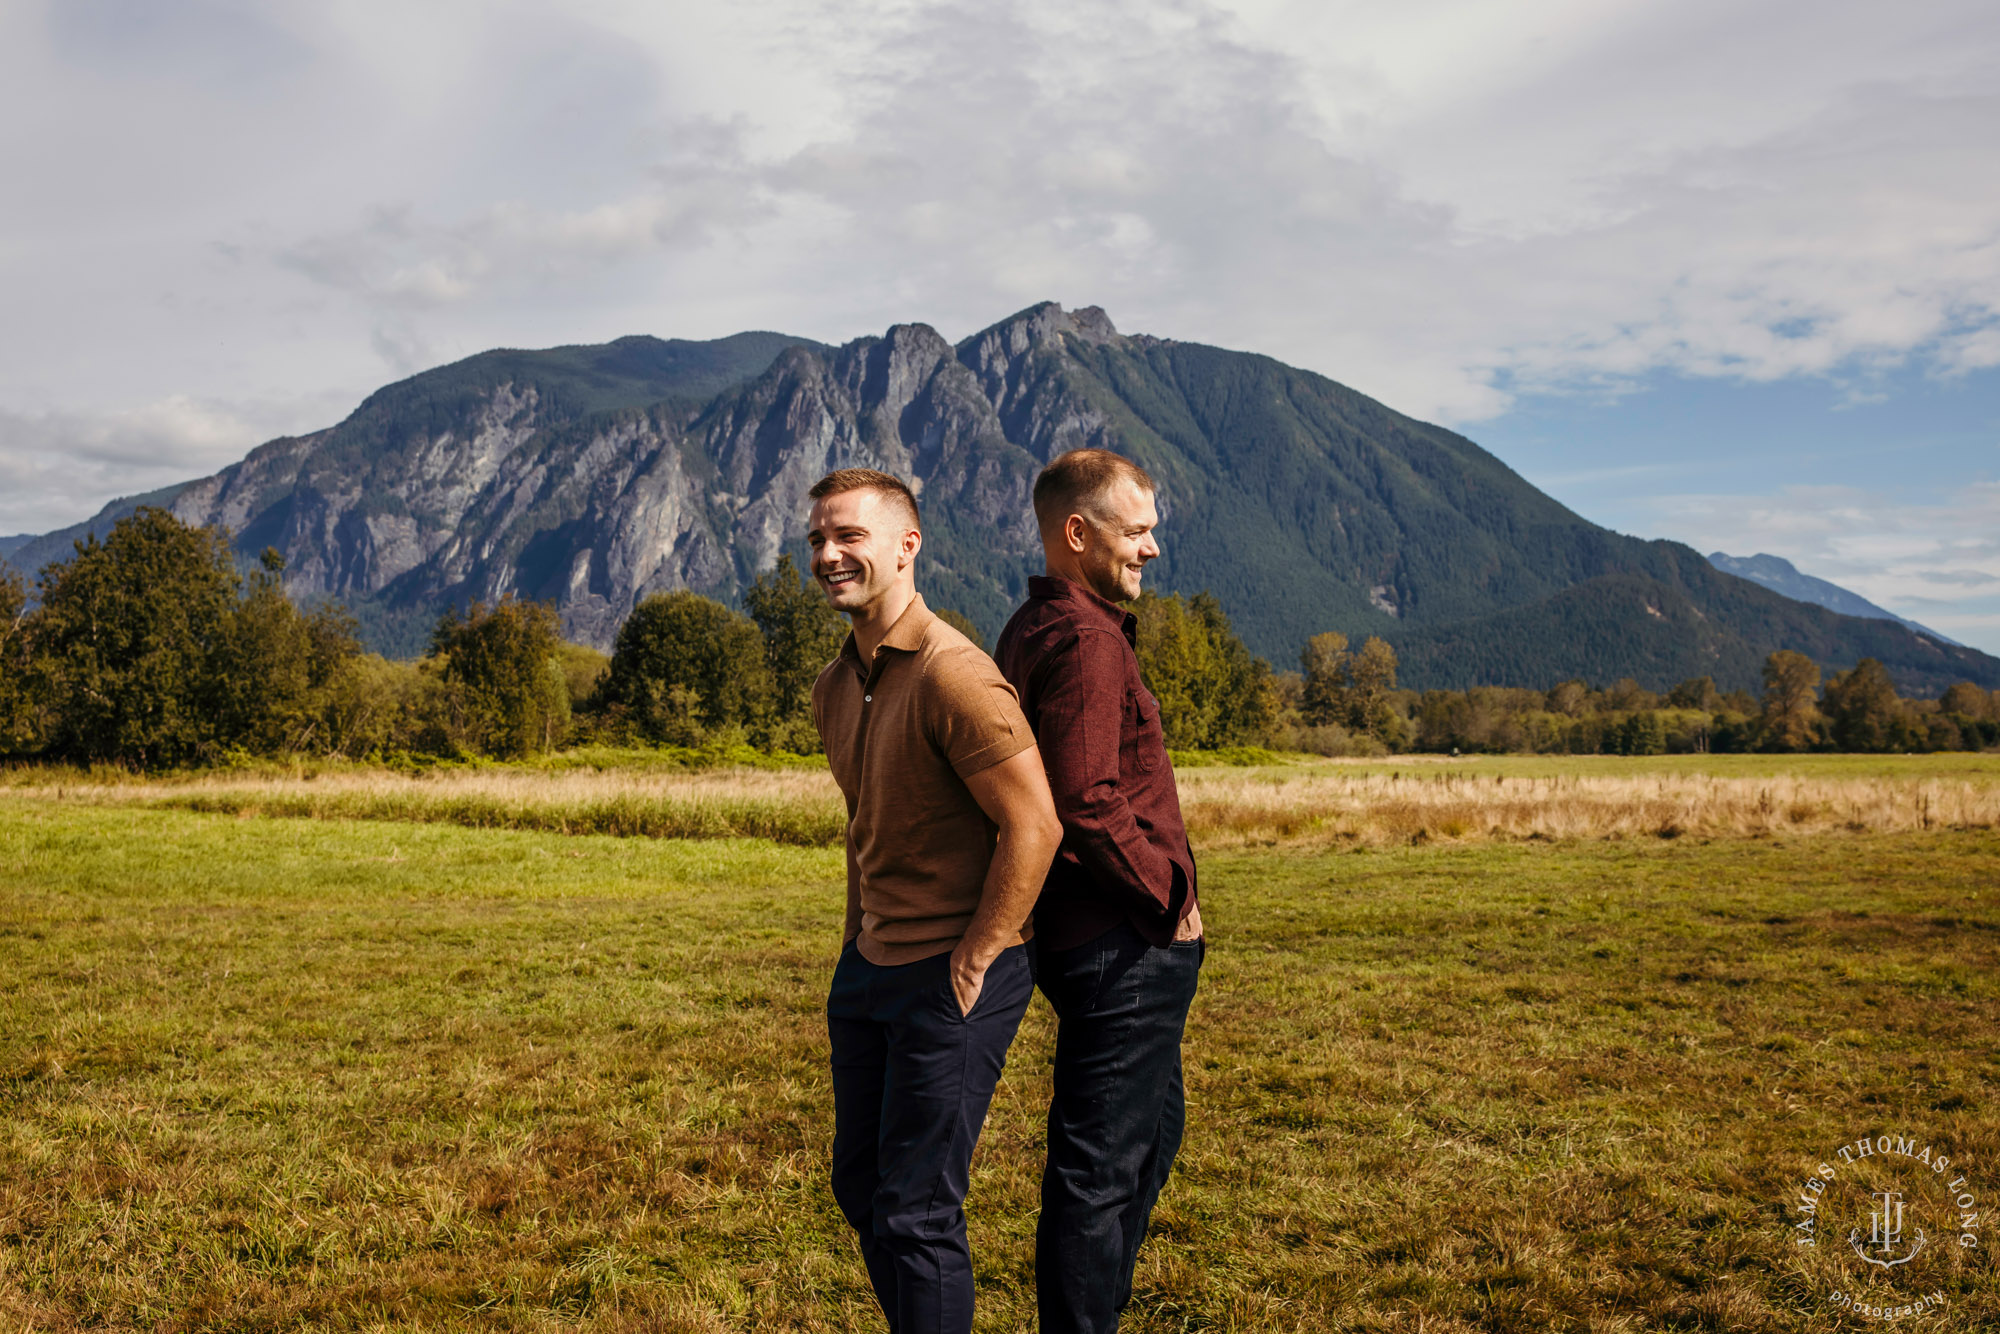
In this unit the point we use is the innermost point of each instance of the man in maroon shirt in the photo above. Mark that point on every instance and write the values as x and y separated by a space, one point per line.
1118 940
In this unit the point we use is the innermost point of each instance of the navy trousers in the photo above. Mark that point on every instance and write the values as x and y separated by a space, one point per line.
1115 1119
912 1078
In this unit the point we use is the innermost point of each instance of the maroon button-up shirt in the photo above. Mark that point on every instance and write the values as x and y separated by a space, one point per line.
1125 858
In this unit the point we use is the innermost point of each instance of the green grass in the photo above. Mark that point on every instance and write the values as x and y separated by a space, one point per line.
316 1074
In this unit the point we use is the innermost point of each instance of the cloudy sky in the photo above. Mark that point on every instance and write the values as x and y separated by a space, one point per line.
1723 272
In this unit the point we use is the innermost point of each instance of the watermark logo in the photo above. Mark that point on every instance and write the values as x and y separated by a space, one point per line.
1884 1225
1885 1233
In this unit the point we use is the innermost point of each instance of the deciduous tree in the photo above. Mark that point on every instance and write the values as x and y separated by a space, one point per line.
1371 675
1968 701
1791 718
1323 664
278 666
1697 692
17 725
130 640
685 664
1863 711
502 664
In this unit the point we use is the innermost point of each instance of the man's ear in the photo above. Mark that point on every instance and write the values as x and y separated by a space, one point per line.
1075 533
907 549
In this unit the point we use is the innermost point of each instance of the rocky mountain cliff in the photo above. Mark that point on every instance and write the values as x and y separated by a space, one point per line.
594 476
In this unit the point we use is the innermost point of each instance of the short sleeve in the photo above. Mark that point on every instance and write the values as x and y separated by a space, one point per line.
973 715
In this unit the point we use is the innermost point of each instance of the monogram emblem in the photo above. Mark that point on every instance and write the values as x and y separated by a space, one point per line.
1885 1234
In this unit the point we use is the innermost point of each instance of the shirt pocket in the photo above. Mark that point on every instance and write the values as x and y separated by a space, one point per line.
1143 750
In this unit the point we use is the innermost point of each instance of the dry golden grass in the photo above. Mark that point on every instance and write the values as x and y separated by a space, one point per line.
1374 808
1313 804
795 806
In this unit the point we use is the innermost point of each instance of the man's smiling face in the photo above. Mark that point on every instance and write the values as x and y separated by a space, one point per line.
861 542
1118 541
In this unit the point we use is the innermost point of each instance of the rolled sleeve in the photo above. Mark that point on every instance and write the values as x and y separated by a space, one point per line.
975 717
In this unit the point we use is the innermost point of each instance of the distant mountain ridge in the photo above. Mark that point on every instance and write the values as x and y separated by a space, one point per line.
1781 576
592 476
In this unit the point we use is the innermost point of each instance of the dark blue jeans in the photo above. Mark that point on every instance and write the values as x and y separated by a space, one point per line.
912 1078
1115 1121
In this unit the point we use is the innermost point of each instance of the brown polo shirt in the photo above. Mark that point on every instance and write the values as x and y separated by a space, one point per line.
902 735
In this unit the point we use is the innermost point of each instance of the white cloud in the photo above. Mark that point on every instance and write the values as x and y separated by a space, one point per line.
81 460
1420 200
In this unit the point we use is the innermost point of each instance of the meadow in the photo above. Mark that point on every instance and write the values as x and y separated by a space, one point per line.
1299 801
1506 1045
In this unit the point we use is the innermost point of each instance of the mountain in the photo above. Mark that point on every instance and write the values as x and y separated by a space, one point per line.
29 552
594 476
1781 576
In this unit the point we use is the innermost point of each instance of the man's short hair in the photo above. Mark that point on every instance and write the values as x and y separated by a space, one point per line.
890 487
1076 481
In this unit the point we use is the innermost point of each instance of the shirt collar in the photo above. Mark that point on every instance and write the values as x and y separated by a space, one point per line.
906 635
908 632
1053 588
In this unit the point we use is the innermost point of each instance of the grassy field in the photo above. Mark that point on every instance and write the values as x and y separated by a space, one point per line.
264 1074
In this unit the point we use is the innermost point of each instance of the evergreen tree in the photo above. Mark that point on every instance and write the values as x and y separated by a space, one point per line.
1642 733
802 634
1178 663
1211 691
1247 708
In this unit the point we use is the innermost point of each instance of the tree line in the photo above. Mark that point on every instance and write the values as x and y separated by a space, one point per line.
150 649
1344 701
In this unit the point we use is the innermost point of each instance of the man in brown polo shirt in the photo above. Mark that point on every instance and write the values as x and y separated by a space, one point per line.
1118 940
949 835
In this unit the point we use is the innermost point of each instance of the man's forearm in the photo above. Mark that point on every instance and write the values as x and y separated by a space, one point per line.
1015 796
1014 879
